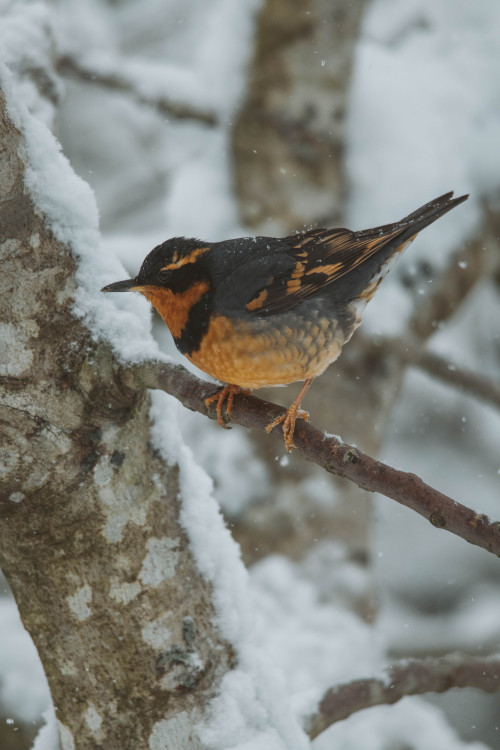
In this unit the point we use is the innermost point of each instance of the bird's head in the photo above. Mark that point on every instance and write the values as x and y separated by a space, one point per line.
173 277
174 265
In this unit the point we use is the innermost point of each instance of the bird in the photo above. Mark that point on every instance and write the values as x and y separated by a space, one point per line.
267 311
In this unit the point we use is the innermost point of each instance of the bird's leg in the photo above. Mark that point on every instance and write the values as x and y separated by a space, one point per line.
289 417
229 392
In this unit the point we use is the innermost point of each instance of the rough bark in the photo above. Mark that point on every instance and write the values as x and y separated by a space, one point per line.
90 539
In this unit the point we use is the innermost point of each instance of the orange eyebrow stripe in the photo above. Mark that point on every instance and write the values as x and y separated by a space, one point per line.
191 258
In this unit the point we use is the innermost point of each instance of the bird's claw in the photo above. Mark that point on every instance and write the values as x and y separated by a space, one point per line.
288 421
227 393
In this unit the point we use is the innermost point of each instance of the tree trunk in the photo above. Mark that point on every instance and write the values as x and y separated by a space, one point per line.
289 135
90 539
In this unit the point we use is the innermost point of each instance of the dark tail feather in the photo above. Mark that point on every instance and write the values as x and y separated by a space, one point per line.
425 215
419 219
396 235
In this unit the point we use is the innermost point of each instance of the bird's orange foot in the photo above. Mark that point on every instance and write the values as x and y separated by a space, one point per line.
228 393
288 420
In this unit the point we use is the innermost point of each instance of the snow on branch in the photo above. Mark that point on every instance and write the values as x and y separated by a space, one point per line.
407 677
158 86
327 451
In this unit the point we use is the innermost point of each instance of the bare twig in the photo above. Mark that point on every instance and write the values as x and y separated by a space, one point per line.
117 79
326 451
408 677
444 370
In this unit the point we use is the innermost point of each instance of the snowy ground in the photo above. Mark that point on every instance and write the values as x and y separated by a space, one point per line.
424 119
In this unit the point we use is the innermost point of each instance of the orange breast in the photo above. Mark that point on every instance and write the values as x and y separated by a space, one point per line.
255 354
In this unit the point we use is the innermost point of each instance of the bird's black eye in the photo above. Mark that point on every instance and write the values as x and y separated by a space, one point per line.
164 276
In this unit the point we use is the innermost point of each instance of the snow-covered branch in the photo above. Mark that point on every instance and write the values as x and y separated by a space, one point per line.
327 451
407 677
139 82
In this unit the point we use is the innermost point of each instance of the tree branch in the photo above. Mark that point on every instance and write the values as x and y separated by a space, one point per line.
408 677
326 451
444 370
119 81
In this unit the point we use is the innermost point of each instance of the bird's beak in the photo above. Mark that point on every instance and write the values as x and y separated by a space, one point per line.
128 285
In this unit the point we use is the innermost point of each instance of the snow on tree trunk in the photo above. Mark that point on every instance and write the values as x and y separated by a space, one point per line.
90 539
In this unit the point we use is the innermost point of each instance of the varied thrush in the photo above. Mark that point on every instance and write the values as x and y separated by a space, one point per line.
259 311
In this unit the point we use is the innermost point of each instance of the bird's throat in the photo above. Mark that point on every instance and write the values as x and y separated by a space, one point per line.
175 308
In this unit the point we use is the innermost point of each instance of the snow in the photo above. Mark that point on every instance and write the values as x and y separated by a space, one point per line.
423 120
24 33
24 693
237 471
48 736
201 174
26 44
474 622
69 206
312 642
246 708
410 723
